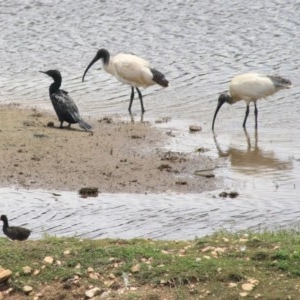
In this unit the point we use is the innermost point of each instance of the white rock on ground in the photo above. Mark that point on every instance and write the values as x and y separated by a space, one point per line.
27 289
49 260
5 274
92 292
248 287
27 270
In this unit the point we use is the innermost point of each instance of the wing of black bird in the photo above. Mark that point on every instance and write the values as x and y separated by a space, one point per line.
18 233
67 110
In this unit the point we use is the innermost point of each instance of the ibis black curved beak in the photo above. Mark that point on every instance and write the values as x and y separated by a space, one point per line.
90 64
221 101
43 72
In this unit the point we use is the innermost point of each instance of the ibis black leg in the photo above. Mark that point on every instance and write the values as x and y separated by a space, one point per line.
131 99
141 100
61 124
256 113
248 139
256 139
246 116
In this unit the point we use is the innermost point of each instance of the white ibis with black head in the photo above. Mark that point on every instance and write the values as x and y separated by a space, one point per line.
251 87
63 104
130 69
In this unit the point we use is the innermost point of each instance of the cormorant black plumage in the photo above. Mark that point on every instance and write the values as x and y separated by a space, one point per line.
63 104
14 232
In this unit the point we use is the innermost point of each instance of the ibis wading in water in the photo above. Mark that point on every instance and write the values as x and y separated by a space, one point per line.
63 104
251 87
130 69
14 232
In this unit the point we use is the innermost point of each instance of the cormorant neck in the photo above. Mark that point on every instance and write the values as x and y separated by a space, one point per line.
54 87
5 223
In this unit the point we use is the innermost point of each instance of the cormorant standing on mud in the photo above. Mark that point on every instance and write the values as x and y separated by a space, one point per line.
63 104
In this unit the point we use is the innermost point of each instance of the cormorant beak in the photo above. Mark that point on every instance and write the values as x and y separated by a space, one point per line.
91 63
221 101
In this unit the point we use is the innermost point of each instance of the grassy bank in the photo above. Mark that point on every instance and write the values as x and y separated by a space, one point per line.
221 266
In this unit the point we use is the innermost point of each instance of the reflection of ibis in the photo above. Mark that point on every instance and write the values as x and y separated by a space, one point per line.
131 70
251 87
63 104
253 159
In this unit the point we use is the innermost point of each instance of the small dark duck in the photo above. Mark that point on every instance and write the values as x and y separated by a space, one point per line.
14 232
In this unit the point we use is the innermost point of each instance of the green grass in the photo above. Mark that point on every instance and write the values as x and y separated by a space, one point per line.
204 267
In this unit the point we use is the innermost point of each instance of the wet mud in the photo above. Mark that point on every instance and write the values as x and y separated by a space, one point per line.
116 156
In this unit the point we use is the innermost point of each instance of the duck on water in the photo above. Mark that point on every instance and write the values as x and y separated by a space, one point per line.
14 232
63 104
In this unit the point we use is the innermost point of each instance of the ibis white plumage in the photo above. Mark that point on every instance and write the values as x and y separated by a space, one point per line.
130 69
251 87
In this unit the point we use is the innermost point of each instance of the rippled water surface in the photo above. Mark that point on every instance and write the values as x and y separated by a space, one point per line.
199 46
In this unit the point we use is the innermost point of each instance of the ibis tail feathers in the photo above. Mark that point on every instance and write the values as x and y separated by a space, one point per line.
280 83
159 78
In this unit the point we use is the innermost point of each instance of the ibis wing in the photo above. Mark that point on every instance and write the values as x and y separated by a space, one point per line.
132 70
251 87
130 59
280 82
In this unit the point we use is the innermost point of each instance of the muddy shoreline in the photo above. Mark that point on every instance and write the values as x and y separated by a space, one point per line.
115 157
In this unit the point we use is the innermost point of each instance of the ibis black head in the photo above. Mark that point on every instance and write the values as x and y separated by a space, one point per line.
222 99
55 74
102 53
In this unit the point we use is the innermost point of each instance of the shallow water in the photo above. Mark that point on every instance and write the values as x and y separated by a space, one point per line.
174 216
199 46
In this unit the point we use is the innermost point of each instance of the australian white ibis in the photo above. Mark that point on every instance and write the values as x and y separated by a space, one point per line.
63 104
130 69
251 87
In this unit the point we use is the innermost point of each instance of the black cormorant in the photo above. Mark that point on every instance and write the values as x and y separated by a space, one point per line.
63 104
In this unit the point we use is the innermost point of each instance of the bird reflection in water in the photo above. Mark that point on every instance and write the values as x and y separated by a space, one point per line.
253 160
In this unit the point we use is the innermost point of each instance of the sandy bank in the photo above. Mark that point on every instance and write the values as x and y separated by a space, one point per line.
116 157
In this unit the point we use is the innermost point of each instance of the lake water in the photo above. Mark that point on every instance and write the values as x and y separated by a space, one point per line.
199 46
